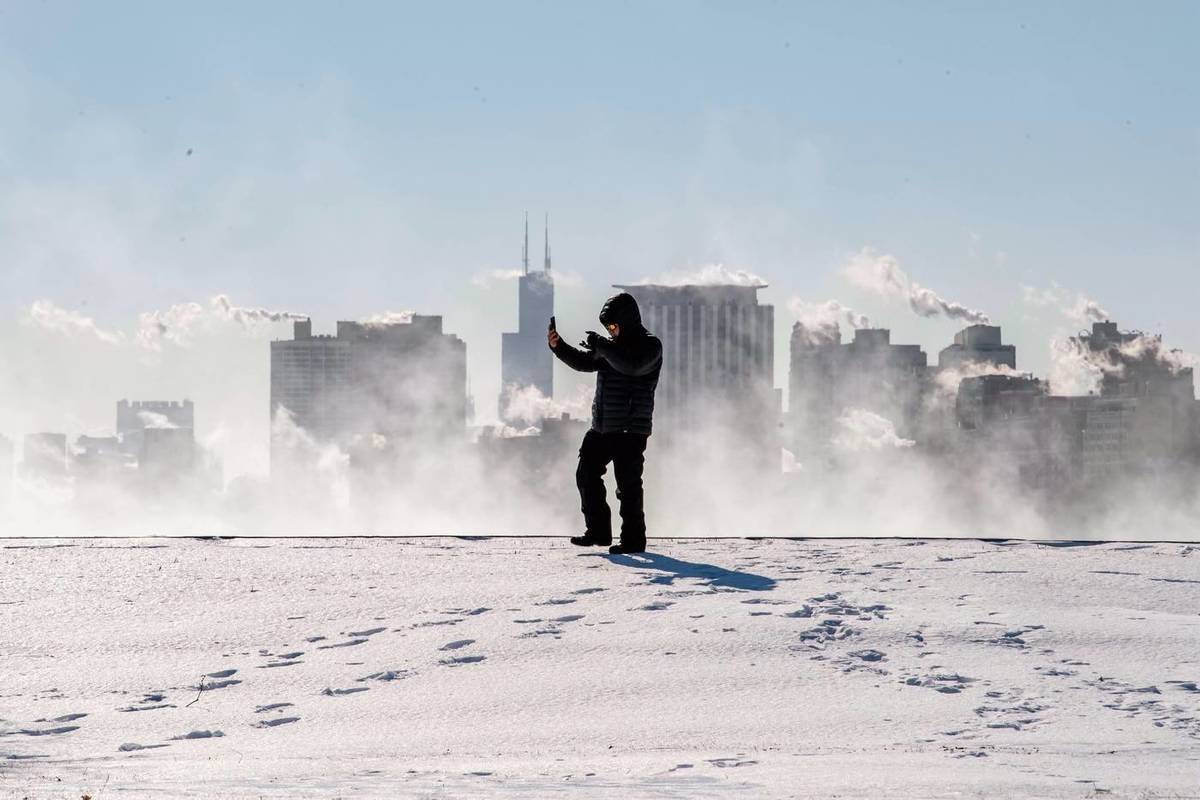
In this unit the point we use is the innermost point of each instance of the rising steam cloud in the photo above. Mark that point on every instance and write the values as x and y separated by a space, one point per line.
881 274
946 380
1077 369
862 431
248 317
528 406
176 325
49 317
821 322
152 419
389 318
708 275
1082 310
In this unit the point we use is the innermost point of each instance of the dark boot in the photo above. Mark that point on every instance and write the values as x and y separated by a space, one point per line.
588 540
625 549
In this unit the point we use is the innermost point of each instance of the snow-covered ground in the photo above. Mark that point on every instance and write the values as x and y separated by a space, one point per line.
519 667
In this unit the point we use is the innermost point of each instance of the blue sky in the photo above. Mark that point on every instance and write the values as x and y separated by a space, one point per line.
349 158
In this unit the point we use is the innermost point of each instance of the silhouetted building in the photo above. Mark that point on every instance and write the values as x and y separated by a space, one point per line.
979 344
718 362
1144 421
396 384
135 417
45 456
1145 416
828 378
1135 364
525 360
95 457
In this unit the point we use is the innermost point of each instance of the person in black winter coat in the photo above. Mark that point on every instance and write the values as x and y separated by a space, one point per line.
626 366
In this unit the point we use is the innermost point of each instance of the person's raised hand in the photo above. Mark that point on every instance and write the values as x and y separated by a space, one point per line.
592 340
552 338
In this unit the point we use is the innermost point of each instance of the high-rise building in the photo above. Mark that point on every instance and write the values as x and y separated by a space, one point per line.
718 362
401 382
1135 364
525 360
135 417
1143 422
978 344
827 378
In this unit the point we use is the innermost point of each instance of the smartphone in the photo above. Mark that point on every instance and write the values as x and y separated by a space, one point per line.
552 324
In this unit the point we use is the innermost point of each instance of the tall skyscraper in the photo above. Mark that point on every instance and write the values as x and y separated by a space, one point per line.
402 382
718 363
525 360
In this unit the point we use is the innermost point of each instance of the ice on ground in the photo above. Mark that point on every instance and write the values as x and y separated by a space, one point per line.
517 667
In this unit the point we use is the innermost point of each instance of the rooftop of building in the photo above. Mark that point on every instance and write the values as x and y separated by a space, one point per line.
697 293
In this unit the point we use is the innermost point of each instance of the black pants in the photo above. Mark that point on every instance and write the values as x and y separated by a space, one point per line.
626 452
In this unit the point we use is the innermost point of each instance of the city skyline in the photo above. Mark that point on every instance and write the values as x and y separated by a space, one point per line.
309 164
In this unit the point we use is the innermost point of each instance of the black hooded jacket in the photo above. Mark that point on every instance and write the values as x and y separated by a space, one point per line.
626 369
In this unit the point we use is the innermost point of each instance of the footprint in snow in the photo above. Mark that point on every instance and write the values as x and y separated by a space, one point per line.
370 632
271 723
388 675
284 660
328 692
198 735
460 660
946 683
467 612
271 707
590 590
658 605
350 643
130 747
42 731
557 601
63 718
221 673
456 644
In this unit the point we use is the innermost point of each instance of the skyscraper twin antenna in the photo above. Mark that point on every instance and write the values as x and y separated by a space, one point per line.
525 248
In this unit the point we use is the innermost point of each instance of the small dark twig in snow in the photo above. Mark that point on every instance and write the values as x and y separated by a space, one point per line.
199 692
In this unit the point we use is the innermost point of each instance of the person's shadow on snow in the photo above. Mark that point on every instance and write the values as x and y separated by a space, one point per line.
672 568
